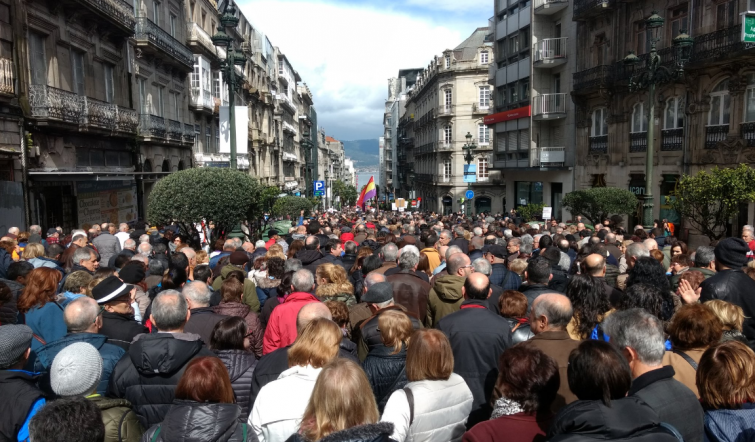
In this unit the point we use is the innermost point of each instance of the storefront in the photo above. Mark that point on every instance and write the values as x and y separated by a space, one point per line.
528 192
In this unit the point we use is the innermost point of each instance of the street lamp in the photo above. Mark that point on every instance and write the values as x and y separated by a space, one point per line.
654 75
469 148
228 19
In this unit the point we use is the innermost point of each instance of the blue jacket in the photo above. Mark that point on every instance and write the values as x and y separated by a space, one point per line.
214 260
47 323
5 260
110 353
730 425
498 276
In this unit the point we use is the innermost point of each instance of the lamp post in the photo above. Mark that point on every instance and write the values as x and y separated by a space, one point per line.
654 75
228 19
469 148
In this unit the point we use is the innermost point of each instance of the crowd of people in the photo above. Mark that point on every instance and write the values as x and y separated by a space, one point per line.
353 327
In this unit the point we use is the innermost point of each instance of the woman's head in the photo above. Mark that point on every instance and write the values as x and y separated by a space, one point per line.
331 274
395 329
205 380
588 301
424 264
725 376
512 304
275 267
316 345
598 372
202 257
648 270
361 255
342 398
527 376
41 287
340 312
276 250
429 357
679 248
174 278
229 334
232 290
694 326
294 248
731 316
33 250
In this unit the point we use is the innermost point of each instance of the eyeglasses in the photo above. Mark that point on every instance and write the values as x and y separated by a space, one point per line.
102 309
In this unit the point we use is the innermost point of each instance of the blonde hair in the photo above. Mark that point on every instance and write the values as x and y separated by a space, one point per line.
334 274
275 251
92 284
33 250
202 257
732 316
316 345
518 266
395 329
342 398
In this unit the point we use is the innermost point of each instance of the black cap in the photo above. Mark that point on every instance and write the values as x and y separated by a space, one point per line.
497 251
132 273
378 293
110 288
51 231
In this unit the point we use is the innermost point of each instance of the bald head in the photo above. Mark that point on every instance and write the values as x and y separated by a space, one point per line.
82 315
595 265
442 252
550 312
310 312
650 243
477 287
248 247
371 279
189 252
456 264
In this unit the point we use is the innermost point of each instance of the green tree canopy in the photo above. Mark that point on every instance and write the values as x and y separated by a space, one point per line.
531 211
347 192
709 200
291 206
224 196
598 203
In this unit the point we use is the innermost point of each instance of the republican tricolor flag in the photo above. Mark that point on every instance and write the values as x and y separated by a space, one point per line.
368 192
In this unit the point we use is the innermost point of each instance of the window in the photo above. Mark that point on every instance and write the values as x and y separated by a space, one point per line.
674 115
447 98
750 99
524 89
216 84
514 44
109 90
726 14
174 103
484 57
37 58
720 105
446 170
642 37
208 139
447 134
142 94
160 101
482 169
599 125
196 75
77 72
513 94
156 11
484 97
448 61
678 18
173 26
483 134
639 122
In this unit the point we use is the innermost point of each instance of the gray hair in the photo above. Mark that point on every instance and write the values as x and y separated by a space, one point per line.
526 248
35 229
156 267
145 248
80 314
459 231
507 233
410 230
129 244
373 278
637 250
228 246
446 233
527 239
452 250
482 265
639 330
259 244
141 258
477 231
198 293
237 243
408 258
82 253
610 238
169 310
123 227
144 239
704 255
303 280
390 252
292 265
78 237
350 247
558 317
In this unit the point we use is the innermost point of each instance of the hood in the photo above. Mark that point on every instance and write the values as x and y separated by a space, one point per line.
330 290
308 256
266 282
237 361
47 353
104 403
374 245
448 288
232 309
592 419
228 269
189 421
163 353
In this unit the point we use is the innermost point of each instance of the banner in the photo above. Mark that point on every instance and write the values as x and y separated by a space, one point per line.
106 201
242 129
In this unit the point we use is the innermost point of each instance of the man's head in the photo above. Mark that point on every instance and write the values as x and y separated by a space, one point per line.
191 255
496 254
514 245
229 246
169 311
705 258
82 315
408 258
538 271
636 251
640 337
445 237
482 265
350 247
79 240
310 312
650 244
333 247
123 227
14 231
595 265
312 243
379 296
71 419
459 264
54 251
76 370
731 253
389 252
442 253
550 312
476 287
371 279
302 281
86 258
77 282
15 345
197 294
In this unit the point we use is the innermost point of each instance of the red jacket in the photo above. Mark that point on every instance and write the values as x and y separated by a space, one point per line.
281 328
519 427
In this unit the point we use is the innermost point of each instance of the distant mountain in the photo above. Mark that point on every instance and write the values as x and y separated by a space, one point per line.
364 152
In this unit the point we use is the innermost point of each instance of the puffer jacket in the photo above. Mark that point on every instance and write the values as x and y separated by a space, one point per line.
266 288
189 421
523 330
386 372
240 365
445 298
337 292
254 331
121 423
379 432
250 290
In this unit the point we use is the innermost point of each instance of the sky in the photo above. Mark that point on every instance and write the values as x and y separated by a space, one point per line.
347 50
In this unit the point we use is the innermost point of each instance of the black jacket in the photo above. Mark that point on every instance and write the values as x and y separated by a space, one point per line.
189 421
386 372
673 401
240 365
559 281
22 387
460 242
327 259
202 321
478 337
308 259
148 374
627 419
532 291
121 329
379 432
520 330
736 287
368 337
348 261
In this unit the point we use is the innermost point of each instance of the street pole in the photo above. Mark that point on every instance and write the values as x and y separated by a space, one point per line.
647 206
230 57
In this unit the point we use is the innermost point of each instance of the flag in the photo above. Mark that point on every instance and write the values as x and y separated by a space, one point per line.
367 193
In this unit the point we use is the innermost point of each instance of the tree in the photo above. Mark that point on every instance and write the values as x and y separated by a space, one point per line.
346 192
709 200
291 206
598 203
224 196
531 211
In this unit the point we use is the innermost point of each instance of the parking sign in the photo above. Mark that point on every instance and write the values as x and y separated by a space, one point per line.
319 188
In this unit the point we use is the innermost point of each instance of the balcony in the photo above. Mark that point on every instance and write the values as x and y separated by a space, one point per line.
598 144
747 132
722 44
638 142
621 73
202 100
549 53
591 79
446 111
477 109
424 177
190 133
424 149
153 38
7 77
116 12
673 139
715 134
289 128
552 157
549 7
53 105
585 9
200 41
549 107
175 130
154 128
286 102
445 145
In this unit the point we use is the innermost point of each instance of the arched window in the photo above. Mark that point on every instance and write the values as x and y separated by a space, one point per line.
674 115
639 122
720 105
750 99
447 135
599 123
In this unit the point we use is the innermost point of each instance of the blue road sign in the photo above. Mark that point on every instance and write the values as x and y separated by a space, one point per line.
319 188
469 194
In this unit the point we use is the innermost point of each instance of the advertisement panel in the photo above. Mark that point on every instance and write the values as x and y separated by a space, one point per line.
106 201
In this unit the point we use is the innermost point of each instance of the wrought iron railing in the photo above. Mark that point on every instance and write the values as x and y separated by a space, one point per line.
56 104
445 111
7 77
549 49
424 177
552 156
599 144
670 58
594 77
152 126
199 36
548 104
127 120
478 109
719 44
673 139
638 142
586 8
147 30
189 134
715 134
120 11
175 131
425 149
747 131
98 113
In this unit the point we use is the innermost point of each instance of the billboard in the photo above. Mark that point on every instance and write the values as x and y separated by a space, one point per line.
242 129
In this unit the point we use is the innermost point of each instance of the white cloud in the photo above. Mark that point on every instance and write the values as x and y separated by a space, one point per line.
346 53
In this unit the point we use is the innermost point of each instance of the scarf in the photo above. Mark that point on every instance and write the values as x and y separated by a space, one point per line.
505 407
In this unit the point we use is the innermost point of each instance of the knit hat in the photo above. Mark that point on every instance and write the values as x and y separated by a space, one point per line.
378 293
732 252
15 339
239 258
76 370
132 273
